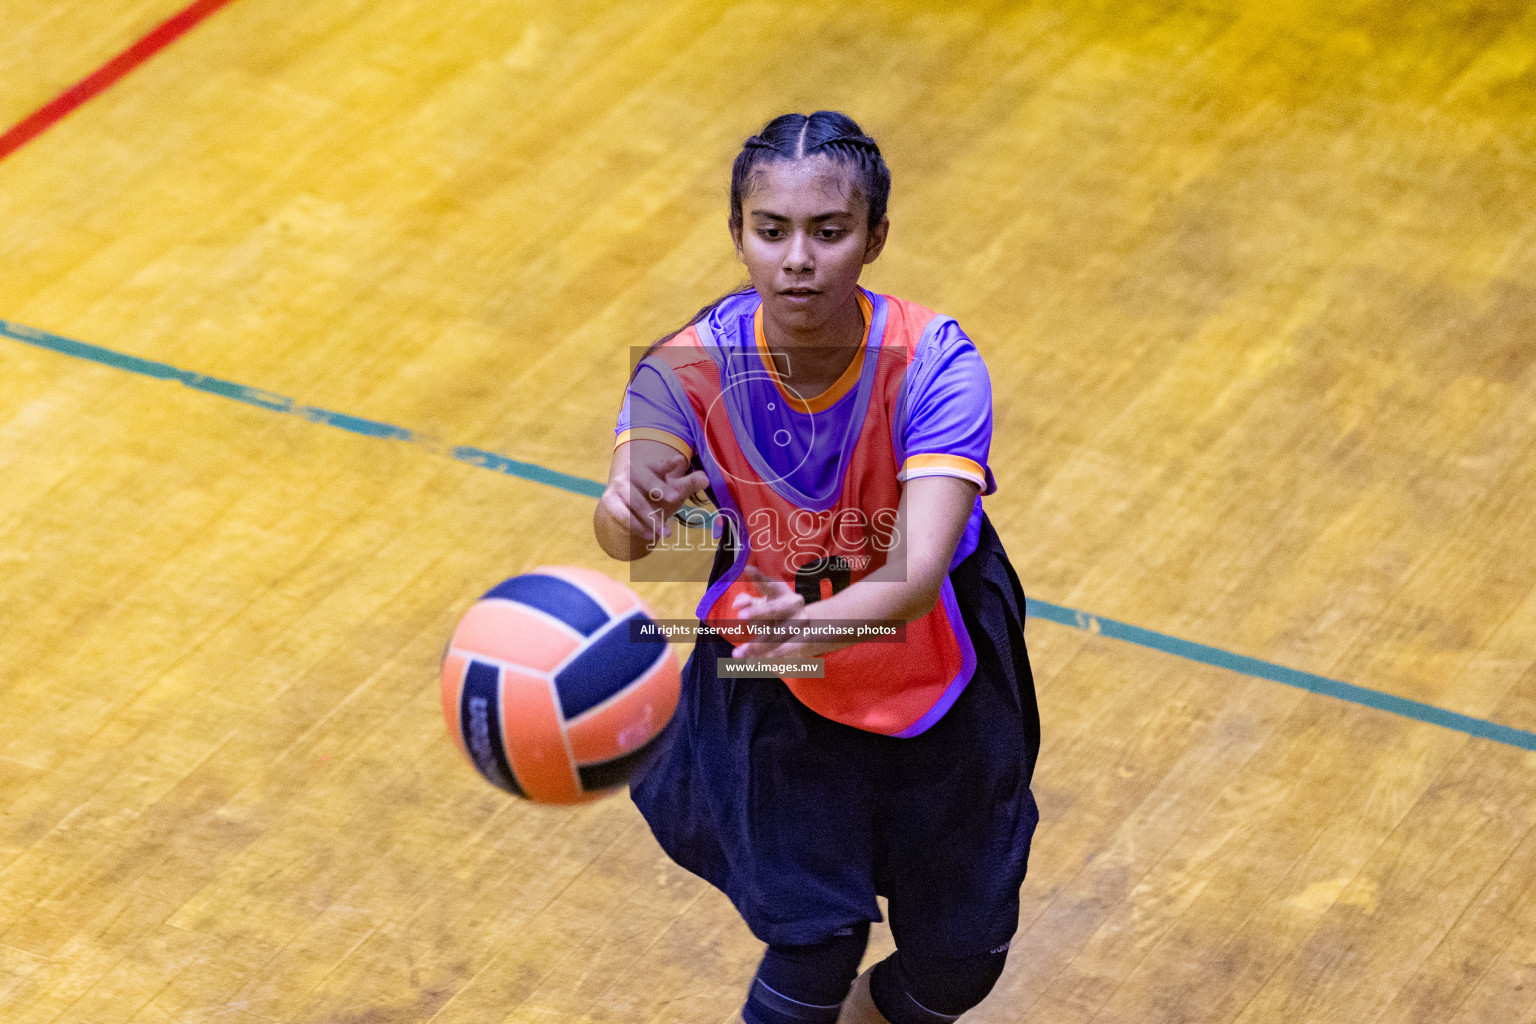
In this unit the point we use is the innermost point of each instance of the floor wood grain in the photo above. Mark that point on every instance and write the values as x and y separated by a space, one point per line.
1256 287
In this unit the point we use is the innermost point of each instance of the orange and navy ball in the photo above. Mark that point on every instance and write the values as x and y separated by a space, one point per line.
553 691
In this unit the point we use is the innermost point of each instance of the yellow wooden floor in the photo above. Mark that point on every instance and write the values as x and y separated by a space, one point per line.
1257 287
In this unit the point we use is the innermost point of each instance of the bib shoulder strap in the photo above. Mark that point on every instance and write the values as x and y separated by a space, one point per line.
910 328
909 325
683 349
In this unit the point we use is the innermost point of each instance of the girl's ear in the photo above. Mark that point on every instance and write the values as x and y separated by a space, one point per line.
736 239
876 241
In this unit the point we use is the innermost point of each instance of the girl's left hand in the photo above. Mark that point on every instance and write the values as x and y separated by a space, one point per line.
775 602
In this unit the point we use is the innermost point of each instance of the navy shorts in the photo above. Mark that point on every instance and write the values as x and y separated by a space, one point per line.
802 821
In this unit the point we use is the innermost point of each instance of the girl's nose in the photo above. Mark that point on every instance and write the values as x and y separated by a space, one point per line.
797 258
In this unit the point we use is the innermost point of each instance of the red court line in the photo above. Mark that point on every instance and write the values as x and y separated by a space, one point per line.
104 77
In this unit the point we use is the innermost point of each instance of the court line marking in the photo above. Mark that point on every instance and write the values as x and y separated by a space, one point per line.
273 402
1217 657
1242 663
106 76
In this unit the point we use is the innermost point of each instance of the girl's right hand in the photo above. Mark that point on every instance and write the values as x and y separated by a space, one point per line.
648 482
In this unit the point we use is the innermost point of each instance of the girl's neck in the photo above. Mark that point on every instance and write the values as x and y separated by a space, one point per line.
820 356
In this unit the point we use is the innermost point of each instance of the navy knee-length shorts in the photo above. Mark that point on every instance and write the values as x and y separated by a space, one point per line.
802 821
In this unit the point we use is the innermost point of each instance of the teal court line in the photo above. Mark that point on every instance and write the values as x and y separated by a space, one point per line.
283 404
1188 649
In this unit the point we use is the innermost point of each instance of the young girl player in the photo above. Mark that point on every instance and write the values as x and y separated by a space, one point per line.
843 436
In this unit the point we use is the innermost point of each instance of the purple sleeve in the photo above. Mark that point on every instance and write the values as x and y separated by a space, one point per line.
948 428
651 410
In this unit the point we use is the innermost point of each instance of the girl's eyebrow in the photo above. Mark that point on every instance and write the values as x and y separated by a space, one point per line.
820 216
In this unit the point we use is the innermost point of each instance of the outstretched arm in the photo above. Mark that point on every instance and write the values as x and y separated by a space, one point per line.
647 482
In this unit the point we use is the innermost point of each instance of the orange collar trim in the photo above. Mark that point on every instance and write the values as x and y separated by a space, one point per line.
840 387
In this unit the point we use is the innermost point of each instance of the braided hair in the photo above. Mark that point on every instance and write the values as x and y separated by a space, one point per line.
797 136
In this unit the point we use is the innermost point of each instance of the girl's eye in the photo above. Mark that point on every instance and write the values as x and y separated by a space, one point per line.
828 234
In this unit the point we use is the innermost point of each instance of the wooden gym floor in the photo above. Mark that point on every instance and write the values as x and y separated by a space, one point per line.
1257 288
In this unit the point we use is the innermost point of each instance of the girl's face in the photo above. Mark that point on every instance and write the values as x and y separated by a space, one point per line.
805 237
